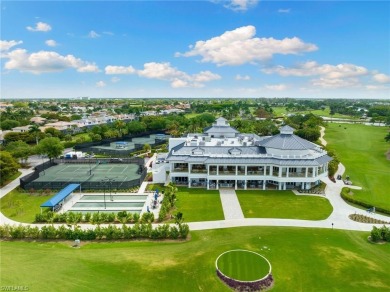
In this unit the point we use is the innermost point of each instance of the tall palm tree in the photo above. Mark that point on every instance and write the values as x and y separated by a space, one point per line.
34 129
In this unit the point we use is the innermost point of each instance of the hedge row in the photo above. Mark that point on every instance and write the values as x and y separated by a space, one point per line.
93 218
344 194
111 232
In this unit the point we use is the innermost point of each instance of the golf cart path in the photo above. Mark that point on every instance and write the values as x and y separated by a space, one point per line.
337 220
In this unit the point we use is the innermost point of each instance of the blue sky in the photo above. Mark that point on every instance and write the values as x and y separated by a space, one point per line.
239 48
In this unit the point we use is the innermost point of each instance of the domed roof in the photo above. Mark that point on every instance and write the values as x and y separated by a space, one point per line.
286 140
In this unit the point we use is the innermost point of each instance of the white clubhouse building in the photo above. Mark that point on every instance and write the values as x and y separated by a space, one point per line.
222 157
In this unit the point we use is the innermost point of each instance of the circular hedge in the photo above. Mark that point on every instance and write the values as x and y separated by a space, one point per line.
244 270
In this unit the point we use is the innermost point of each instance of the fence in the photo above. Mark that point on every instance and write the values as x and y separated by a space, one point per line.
28 181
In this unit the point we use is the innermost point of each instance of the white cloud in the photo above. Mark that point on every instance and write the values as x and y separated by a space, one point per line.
100 84
376 87
111 70
240 5
108 33
239 46
276 87
115 79
284 10
381 78
45 61
312 68
205 76
164 71
51 43
40 26
93 35
6 45
88 68
335 82
245 77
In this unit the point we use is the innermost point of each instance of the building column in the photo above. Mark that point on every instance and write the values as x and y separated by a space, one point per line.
314 172
246 170
235 184
288 172
306 171
189 183
280 172
284 186
217 184
245 184
279 186
264 182
265 170
217 169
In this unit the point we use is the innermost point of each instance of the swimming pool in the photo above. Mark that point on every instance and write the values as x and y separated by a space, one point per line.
115 197
108 204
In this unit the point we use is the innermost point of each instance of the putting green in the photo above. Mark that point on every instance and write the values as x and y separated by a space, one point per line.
243 265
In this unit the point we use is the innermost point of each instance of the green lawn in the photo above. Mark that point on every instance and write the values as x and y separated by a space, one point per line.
283 204
22 207
243 265
199 205
362 151
279 111
302 259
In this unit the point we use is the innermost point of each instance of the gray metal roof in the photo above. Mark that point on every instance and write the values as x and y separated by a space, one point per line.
220 129
253 160
287 142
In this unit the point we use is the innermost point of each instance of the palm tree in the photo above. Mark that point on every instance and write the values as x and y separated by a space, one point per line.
119 125
34 129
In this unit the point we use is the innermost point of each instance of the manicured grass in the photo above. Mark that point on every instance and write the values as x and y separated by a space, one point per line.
199 205
192 115
21 206
303 259
280 111
283 204
11 178
243 265
361 149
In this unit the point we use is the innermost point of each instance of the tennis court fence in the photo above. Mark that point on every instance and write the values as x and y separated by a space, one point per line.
28 181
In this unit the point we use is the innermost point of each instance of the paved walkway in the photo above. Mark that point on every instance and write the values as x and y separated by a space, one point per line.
230 204
6 189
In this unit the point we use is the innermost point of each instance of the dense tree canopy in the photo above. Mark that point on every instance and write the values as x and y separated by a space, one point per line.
52 147
8 166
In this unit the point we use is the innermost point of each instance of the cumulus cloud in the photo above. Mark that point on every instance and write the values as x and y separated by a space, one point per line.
111 70
6 45
276 87
45 61
376 87
93 35
312 68
51 43
240 46
40 26
245 77
164 71
100 84
381 78
240 5
335 82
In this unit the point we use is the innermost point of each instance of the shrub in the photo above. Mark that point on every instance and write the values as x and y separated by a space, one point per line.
174 232
375 234
135 217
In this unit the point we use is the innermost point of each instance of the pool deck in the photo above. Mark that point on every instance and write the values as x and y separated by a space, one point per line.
76 198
